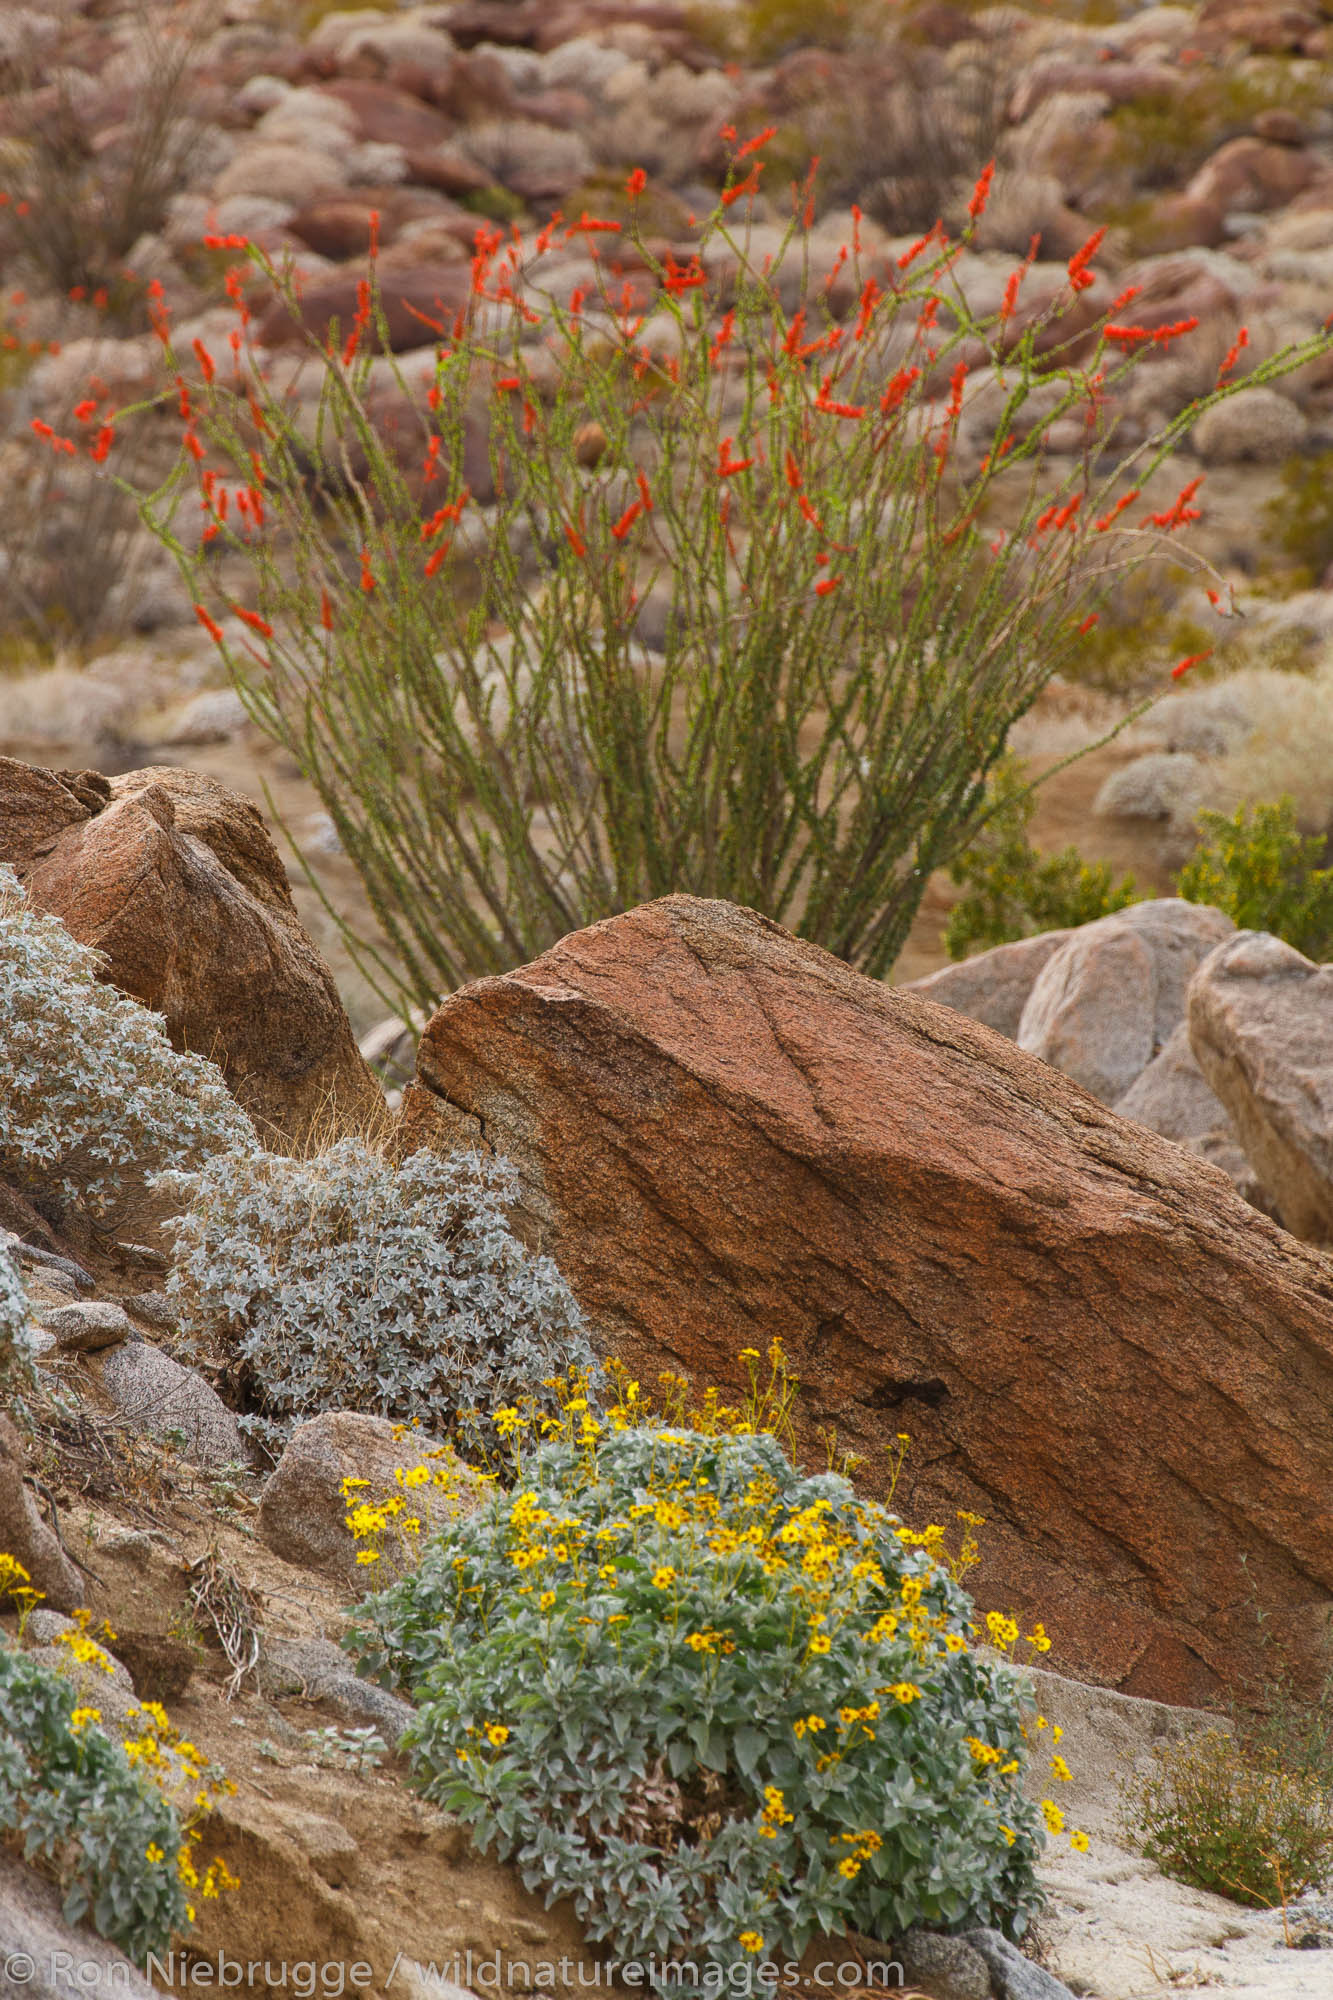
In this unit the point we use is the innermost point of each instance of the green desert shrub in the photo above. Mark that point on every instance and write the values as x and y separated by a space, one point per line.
345 1282
1266 874
738 621
1011 891
1224 1814
725 1706
1298 519
92 1095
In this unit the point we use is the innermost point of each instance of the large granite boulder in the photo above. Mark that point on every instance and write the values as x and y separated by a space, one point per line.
1261 1028
176 880
724 1134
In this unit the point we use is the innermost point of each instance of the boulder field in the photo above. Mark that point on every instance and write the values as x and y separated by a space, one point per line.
724 1134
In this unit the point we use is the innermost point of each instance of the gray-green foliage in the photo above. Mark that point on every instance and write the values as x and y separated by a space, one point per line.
345 1282
711 1700
70 1798
16 1375
92 1094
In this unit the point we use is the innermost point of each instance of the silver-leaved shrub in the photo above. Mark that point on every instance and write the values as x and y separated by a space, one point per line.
16 1376
724 1706
346 1282
92 1095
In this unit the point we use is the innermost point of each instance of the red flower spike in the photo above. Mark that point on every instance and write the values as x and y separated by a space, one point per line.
210 625
627 520
727 466
435 558
1080 277
793 470
871 294
976 207
1233 354
723 339
1182 667
367 574
827 584
1126 500
325 611
85 411
575 540
1180 512
636 184
644 493
1087 624
591 225
897 389
205 360
910 256
102 444
760 139
749 186
254 621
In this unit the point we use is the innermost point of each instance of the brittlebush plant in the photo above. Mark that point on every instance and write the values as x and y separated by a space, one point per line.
724 1706
847 637
117 1823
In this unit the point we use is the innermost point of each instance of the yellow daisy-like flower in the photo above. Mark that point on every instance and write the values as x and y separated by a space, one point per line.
904 1692
1061 1770
81 1717
821 1643
851 1868
750 1941
1054 1818
365 1556
546 1600
496 1735
1009 1835
1079 1842
954 1642
153 1853
664 1577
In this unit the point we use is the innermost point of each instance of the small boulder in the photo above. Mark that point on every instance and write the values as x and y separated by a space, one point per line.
1014 1977
155 1395
87 1325
993 986
947 1968
303 1509
1110 999
1261 1027
25 1535
1160 785
1257 424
